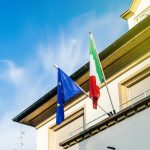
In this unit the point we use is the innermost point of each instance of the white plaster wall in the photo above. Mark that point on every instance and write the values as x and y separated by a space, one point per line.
42 132
143 5
90 113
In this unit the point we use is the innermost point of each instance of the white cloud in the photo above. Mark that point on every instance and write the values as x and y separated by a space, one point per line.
71 50
11 72
37 76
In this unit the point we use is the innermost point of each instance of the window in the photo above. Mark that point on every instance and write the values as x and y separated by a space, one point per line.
58 134
135 88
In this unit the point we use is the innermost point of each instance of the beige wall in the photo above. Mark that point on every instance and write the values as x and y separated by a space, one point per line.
90 113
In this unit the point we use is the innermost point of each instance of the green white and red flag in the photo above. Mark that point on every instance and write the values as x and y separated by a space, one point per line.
96 76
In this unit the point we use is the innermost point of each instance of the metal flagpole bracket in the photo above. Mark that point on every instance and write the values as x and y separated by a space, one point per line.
55 66
110 147
86 94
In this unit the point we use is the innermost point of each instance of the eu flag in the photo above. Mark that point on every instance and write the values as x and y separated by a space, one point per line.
66 89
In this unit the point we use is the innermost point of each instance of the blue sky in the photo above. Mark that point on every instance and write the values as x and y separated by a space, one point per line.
26 23
36 34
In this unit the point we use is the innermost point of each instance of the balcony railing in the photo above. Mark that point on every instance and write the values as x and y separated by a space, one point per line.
131 101
85 126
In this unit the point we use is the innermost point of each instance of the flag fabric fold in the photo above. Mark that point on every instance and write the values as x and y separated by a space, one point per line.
66 89
96 76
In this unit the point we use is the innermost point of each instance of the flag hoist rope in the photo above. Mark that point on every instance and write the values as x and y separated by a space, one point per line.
86 94
103 73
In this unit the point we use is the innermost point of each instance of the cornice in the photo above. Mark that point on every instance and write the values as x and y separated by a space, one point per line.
130 12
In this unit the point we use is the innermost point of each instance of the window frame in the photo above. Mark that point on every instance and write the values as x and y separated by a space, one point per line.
71 117
125 84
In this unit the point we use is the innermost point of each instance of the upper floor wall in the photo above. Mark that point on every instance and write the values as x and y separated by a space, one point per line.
138 10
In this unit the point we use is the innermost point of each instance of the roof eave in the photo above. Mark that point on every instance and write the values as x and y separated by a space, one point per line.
105 53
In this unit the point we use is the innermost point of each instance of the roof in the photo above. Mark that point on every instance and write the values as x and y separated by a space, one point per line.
84 69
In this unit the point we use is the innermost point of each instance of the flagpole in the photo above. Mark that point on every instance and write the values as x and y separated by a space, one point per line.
86 94
103 74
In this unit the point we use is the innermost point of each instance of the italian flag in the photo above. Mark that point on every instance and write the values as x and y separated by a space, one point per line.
96 76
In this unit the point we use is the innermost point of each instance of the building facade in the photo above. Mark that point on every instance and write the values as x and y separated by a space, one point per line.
126 64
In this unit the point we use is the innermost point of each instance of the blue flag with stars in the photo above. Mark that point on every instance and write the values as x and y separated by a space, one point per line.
66 89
